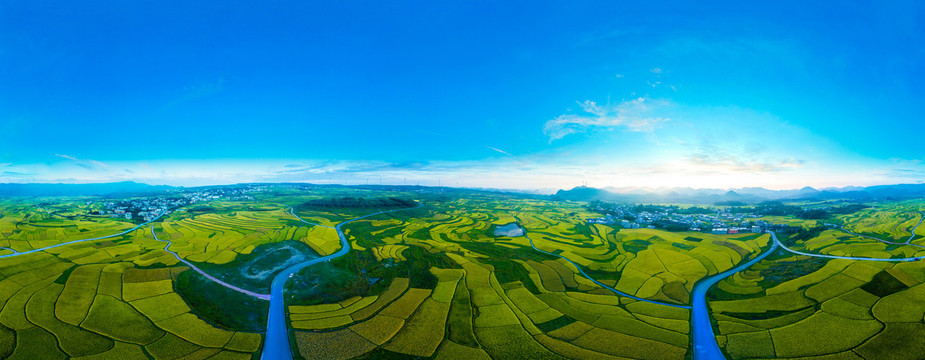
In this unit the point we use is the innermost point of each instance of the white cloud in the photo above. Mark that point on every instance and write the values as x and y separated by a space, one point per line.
88 164
67 157
500 151
634 115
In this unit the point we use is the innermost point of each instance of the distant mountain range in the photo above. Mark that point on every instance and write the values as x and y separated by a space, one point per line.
748 195
78 189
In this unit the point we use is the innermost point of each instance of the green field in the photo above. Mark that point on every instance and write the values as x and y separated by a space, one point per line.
435 282
770 310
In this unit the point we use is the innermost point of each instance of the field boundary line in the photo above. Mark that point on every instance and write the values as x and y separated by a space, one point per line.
80 241
582 271
842 257
276 343
907 242
210 277
292 211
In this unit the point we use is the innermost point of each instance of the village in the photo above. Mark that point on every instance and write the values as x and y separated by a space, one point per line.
719 221
150 208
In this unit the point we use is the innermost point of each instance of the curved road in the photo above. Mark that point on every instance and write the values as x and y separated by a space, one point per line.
79 241
210 277
615 291
6 248
276 344
705 346
292 211
840 257
907 242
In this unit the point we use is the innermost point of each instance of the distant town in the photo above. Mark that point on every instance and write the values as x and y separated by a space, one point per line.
719 221
150 208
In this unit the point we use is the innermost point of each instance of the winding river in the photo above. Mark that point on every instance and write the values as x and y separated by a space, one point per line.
276 346
704 340
615 291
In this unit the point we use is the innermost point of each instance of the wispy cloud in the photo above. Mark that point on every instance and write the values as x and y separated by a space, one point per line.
500 151
735 164
638 114
710 157
88 164
905 174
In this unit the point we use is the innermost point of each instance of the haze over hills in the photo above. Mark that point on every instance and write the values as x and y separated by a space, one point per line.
745 195
61 189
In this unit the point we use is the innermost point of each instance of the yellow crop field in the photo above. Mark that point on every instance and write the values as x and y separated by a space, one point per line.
140 290
72 340
191 328
160 307
423 331
453 278
78 294
389 252
841 333
404 306
341 344
379 328
118 320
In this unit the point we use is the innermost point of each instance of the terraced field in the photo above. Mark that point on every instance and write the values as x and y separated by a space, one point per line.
104 300
888 221
860 307
495 297
25 227
437 282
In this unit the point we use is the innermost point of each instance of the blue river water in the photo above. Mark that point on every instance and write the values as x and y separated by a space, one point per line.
705 346
276 346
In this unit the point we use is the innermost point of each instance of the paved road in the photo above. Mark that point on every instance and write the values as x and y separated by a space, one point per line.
907 242
210 277
6 248
79 241
705 346
841 257
615 291
276 344
292 211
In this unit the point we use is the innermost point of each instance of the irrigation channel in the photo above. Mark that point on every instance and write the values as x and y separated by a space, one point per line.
277 345
203 273
615 291
15 253
907 242
705 346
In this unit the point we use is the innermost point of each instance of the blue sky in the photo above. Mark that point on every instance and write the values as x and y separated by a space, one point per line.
516 95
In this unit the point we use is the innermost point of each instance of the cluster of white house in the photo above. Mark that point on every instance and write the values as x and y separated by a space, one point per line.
715 224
